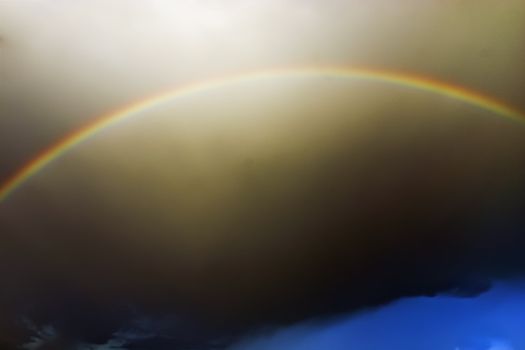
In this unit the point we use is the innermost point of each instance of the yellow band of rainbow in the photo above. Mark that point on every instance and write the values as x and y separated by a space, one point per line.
409 80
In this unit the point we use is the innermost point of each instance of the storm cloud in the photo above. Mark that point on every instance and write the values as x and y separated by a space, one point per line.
260 204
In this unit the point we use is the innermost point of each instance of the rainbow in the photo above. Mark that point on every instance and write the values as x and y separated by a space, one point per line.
408 80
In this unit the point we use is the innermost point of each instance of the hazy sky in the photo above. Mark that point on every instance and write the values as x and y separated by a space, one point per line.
263 204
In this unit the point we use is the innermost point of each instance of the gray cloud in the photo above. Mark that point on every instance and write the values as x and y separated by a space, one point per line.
255 205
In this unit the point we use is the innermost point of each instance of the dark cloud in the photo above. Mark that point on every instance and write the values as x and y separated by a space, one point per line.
259 206
416 210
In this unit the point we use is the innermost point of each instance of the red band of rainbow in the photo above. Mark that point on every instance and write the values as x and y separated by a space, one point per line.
70 141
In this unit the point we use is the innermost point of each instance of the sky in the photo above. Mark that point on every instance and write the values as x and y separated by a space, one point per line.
287 211
493 320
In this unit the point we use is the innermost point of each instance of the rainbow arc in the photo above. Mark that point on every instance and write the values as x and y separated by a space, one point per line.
139 108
